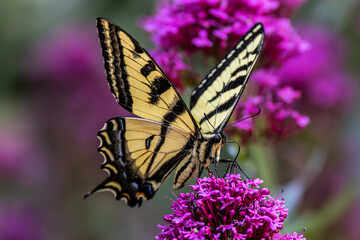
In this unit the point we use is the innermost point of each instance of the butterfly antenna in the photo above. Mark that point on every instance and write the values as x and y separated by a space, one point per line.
209 121
251 116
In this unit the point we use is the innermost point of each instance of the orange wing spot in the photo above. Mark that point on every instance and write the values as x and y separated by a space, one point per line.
126 195
141 194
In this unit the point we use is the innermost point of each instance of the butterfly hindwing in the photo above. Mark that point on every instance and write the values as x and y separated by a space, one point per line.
139 156
137 82
219 92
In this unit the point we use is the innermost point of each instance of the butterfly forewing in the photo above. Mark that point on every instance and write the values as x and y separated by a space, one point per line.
137 82
214 100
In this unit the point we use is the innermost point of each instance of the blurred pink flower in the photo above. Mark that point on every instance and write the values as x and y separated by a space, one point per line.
20 160
68 55
287 7
245 110
212 27
319 73
226 208
13 151
276 102
71 87
288 236
314 81
21 223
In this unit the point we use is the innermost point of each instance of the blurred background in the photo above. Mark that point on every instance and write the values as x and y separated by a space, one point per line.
54 98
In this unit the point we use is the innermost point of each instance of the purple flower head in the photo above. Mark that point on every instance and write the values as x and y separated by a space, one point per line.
287 236
225 208
212 27
68 55
276 101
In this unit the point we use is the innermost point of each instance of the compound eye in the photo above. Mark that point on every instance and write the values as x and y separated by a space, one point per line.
216 138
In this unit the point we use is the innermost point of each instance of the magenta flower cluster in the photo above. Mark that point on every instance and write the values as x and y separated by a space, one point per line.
226 208
295 74
277 101
214 26
314 81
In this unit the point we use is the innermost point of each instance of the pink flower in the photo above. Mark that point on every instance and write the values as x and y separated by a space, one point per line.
212 27
287 94
319 73
314 81
228 208
293 236
276 102
67 55
20 156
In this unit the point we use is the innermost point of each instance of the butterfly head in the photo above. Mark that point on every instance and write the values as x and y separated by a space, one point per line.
214 141
218 138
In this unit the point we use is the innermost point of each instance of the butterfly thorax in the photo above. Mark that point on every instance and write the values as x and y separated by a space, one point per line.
205 151
210 148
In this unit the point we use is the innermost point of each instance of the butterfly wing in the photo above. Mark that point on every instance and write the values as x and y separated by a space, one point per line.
219 92
138 83
139 156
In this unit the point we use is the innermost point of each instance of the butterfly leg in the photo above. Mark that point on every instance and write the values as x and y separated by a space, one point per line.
201 169
215 166
233 162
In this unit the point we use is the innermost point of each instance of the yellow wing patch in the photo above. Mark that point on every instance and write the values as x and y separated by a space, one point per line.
214 100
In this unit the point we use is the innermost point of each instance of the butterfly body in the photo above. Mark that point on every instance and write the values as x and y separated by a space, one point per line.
204 151
140 153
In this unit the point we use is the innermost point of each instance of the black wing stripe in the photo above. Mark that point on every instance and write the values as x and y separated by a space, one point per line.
116 75
223 107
